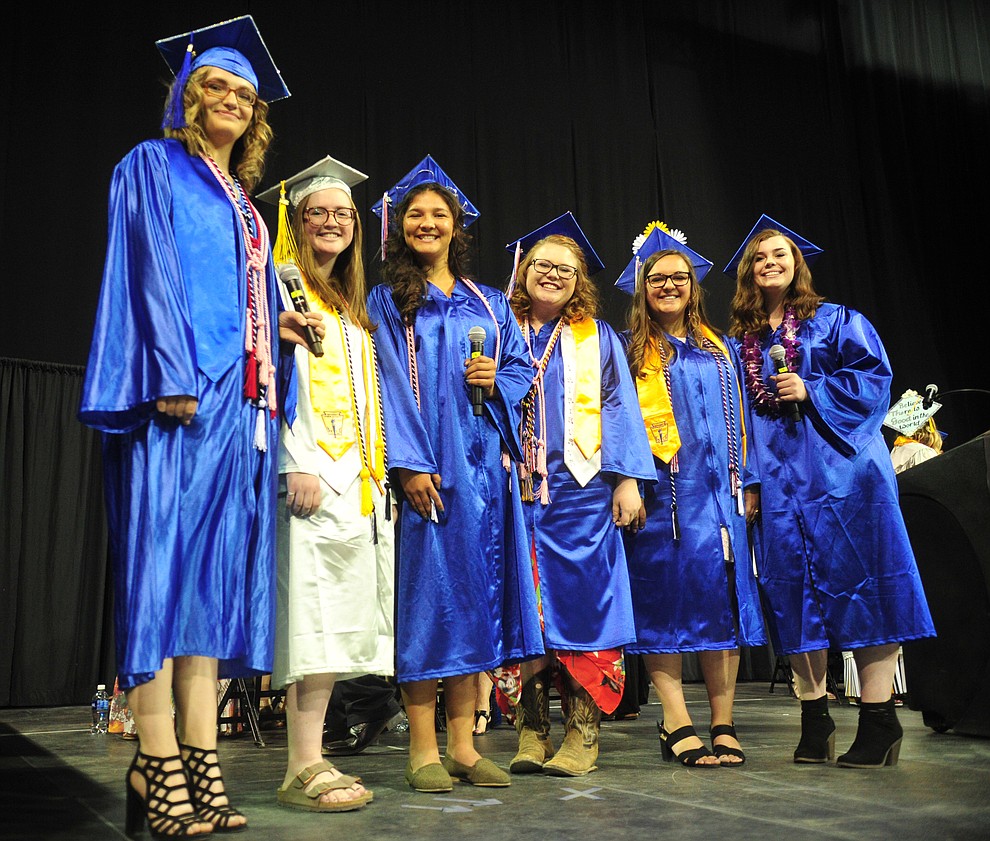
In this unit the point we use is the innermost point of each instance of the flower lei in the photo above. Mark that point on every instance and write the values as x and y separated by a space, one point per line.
764 402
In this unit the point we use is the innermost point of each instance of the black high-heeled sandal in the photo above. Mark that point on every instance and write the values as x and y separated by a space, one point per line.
817 745
204 783
688 758
478 716
725 750
162 775
878 738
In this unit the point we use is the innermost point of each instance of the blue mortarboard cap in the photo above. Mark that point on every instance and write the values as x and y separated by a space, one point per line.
233 45
809 250
565 225
658 237
428 172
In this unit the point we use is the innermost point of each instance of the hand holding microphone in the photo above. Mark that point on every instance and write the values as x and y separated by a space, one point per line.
788 383
480 376
289 275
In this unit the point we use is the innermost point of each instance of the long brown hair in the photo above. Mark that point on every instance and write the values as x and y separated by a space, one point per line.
747 313
645 331
582 304
345 289
402 271
247 158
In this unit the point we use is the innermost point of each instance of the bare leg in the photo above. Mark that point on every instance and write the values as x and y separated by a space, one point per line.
809 673
665 673
720 669
305 709
482 701
876 665
420 699
459 695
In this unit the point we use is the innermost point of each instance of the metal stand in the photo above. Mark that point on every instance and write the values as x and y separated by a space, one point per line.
237 691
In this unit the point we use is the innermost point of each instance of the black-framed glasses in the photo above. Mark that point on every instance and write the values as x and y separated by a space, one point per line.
219 88
658 279
564 272
318 216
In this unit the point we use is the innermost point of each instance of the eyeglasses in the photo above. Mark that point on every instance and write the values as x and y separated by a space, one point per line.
219 89
318 216
564 272
656 281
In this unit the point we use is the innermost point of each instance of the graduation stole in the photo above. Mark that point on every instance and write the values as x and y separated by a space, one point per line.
334 401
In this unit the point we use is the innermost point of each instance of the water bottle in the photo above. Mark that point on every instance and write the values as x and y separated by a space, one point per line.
101 711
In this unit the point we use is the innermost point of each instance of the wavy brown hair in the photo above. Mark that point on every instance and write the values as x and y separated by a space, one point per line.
402 272
747 313
345 289
247 158
582 304
645 331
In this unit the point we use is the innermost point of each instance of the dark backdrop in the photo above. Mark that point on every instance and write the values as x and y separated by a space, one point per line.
862 124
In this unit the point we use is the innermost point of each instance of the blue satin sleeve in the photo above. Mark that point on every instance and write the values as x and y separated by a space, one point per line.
409 443
750 473
848 378
512 379
625 447
143 346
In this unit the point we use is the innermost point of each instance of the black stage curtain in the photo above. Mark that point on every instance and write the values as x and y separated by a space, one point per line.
56 637
862 124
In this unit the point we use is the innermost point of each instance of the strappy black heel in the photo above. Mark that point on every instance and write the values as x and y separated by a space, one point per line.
207 789
688 758
725 750
166 817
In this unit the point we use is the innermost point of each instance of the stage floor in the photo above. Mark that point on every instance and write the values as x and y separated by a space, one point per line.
58 782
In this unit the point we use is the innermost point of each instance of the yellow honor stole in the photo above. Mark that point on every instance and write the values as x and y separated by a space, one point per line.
581 355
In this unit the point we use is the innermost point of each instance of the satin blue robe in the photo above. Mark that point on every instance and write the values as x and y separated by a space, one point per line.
685 597
584 582
465 596
836 565
190 509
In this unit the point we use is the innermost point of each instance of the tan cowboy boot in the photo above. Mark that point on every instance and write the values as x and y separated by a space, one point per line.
533 726
579 752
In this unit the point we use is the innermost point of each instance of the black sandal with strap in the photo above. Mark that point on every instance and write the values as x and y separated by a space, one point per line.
688 758
725 750
162 775
207 789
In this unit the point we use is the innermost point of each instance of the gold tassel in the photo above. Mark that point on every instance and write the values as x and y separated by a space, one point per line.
285 250
367 503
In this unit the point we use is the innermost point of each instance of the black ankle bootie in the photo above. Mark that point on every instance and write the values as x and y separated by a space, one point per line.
878 738
817 744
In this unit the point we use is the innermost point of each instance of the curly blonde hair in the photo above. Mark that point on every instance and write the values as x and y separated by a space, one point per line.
247 158
645 331
747 313
581 305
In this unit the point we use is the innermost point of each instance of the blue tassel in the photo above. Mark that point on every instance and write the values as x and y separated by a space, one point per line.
175 111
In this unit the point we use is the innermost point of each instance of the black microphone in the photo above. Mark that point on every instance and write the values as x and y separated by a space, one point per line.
779 357
289 275
476 336
931 395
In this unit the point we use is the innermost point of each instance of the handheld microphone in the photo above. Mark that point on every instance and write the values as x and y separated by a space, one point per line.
476 336
779 357
289 275
931 395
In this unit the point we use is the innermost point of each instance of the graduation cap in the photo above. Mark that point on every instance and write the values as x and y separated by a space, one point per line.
910 413
327 173
658 237
567 226
232 45
809 250
427 171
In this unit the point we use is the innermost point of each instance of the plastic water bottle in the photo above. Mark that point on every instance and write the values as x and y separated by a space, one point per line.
101 711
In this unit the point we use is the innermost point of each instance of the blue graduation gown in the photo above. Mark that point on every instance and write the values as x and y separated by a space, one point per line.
465 595
190 509
836 565
685 597
584 582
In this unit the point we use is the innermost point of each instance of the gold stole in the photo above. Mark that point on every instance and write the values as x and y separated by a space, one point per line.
581 355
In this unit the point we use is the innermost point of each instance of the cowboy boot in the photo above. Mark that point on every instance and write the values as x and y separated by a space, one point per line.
579 752
533 725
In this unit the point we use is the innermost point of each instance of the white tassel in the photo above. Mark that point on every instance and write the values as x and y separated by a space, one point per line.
261 430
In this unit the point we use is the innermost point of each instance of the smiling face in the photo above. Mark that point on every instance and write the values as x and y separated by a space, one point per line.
773 266
428 227
549 292
667 303
329 239
225 119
